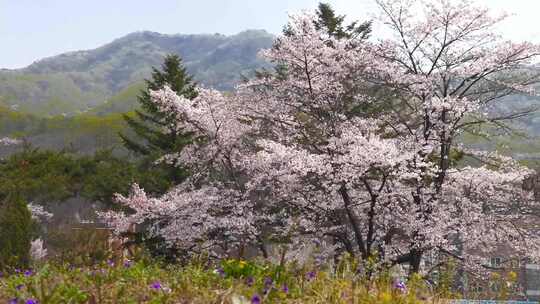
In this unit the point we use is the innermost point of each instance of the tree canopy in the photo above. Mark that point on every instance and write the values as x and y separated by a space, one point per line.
289 157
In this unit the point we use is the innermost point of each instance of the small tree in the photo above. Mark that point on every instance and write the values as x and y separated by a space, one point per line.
15 233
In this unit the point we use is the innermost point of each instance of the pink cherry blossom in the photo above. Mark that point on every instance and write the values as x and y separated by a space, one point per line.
353 143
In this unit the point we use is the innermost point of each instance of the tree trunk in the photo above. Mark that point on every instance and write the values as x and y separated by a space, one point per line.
416 258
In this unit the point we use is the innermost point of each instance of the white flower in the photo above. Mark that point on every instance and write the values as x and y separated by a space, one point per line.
37 252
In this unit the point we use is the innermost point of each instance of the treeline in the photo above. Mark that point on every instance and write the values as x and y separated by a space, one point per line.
84 133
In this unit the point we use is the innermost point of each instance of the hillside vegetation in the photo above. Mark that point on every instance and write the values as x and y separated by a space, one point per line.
77 81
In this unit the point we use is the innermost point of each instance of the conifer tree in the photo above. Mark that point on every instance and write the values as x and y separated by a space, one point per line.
334 24
154 135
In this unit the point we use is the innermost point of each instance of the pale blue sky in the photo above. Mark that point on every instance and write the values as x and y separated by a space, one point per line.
34 29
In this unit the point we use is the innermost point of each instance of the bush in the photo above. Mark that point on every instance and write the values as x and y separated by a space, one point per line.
15 233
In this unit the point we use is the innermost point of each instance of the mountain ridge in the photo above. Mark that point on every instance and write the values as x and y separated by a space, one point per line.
77 81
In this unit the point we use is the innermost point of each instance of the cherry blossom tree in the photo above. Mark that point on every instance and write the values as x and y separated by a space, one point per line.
447 66
8 141
211 210
355 142
37 250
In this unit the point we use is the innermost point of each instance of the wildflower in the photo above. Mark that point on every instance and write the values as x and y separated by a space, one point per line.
31 301
111 263
311 275
19 287
13 301
250 281
28 272
242 264
401 286
156 285
285 288
256 299
220 271
267 281
127 263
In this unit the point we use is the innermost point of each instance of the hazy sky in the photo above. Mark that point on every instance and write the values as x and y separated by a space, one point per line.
33 29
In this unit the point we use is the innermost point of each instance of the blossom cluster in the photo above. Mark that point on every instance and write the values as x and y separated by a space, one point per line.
354 143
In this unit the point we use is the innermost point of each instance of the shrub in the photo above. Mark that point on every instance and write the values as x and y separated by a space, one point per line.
15 233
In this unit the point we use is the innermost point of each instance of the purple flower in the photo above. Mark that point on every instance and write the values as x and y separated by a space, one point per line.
250 281
31 301
127 264
285 288
256 299
156 285
267 281
401 286
28 272
111 263
220 271
19 287
311 275
13 301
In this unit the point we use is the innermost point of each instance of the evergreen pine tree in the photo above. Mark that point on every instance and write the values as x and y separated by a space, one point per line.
154 138
334 24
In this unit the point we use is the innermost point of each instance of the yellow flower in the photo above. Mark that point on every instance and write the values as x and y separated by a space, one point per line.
242 264
512 275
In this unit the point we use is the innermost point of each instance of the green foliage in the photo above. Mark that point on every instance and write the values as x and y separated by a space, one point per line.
80 246
148 282
334 24
46 176
84 133
41 175
150 122
15 233
46 94
240 269
107 175
327 19
152 142
123 102
77 81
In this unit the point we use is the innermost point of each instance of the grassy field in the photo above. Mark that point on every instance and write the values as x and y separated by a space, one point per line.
230 281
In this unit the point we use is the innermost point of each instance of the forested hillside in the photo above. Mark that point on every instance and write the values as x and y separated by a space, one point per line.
78 81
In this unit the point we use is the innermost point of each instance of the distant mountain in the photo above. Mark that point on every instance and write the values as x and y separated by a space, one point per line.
77 81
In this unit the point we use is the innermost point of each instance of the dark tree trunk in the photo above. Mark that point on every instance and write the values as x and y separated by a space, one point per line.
416 258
